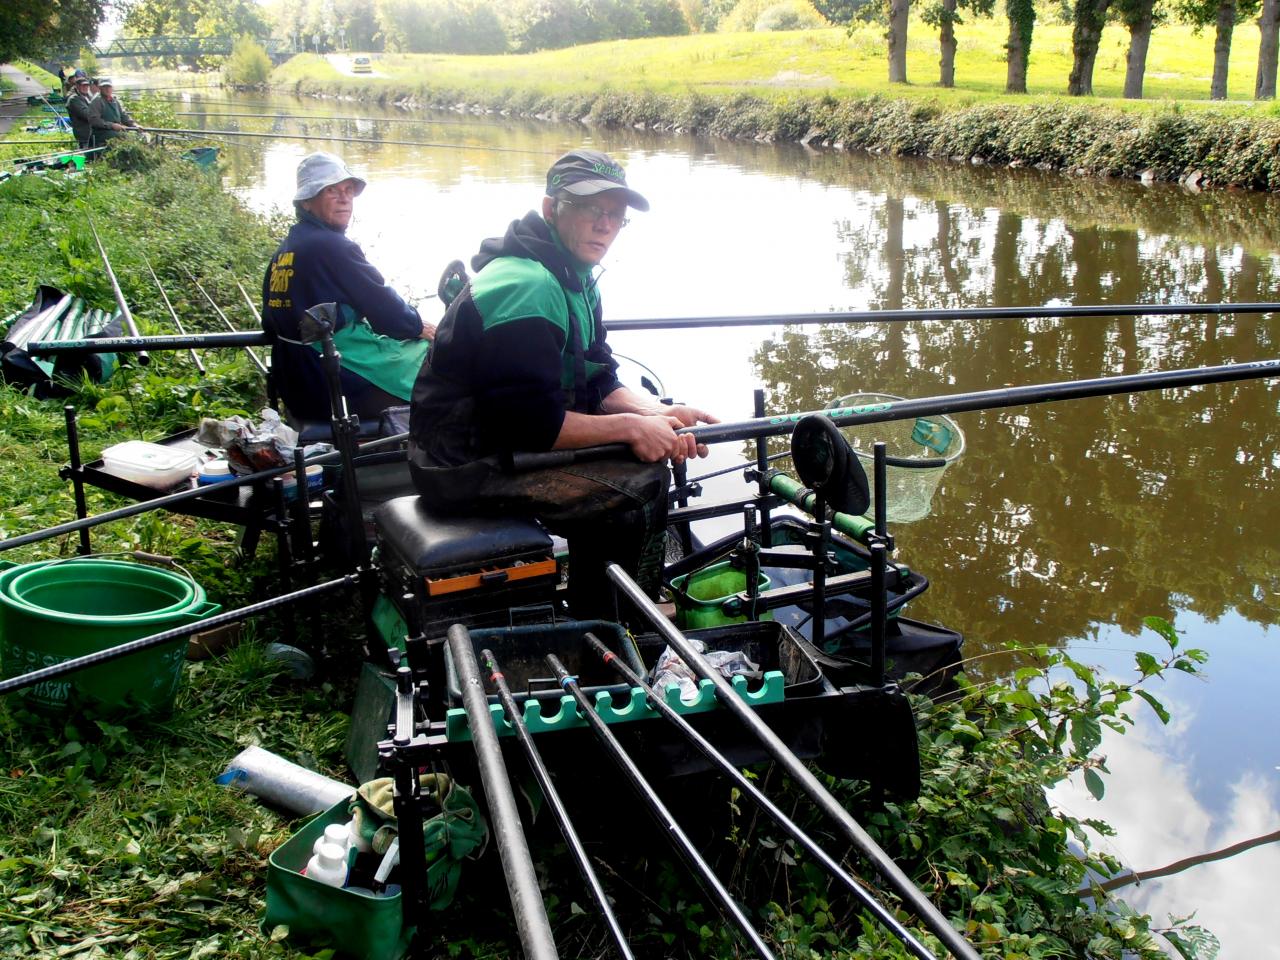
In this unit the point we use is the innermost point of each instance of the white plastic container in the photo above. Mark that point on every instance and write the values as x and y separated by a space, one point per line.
335 833
150 464
354 839
328 865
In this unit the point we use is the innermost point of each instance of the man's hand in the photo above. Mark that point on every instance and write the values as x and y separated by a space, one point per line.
428 331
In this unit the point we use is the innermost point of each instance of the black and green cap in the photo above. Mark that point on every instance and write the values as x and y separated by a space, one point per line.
584 173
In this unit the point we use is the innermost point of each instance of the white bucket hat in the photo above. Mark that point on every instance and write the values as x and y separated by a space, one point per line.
319 170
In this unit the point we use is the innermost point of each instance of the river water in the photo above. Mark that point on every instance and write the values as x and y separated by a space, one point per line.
1064 524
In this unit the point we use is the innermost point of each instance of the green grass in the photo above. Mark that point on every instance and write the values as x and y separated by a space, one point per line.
823 61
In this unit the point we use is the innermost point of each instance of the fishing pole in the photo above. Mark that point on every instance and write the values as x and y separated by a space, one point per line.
252 308
229 325
173 313
56 156
800 774
207 341
945 313
30 143
513 849
926 406
548 787
180 496
373 140
143 357
320 116
684 846
704 746
168 636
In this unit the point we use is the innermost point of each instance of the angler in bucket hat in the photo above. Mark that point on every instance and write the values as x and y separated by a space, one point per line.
522 365
383 340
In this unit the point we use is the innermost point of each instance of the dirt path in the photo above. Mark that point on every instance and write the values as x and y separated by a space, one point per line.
10 111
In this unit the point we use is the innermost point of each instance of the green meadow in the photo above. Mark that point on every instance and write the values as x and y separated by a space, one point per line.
817 62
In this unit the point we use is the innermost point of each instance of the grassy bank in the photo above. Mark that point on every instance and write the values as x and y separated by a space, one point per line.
827 88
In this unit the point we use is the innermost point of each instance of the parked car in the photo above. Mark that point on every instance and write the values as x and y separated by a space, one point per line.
361 65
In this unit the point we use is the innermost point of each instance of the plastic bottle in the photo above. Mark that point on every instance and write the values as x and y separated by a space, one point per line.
355 840
335 833
328 865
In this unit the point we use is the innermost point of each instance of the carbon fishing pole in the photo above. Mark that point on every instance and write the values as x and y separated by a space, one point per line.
704 746
948 313
800 774
927 406
513 849
168 636
207 341
227 323
320 116
173 313
129 325
252 308
684 846
374 140
548 787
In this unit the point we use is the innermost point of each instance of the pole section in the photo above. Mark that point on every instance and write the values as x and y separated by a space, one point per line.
517 865
803 777
705 747
173 313
115 288
548 787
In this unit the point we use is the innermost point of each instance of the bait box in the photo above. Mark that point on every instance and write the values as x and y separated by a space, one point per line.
152 465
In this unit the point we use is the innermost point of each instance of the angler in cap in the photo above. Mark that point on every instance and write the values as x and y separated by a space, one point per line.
382 339
79 110
107 115
521 364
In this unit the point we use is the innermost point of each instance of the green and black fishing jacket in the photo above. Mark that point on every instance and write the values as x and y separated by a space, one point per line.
523 343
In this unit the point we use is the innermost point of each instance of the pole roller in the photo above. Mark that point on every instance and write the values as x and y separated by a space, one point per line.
517 865
800 774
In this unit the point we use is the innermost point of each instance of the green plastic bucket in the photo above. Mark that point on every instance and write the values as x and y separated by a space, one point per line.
700 595
51 611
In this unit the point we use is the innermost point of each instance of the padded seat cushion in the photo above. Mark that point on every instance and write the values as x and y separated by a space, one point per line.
432 544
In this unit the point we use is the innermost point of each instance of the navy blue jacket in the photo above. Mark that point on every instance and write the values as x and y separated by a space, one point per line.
318 264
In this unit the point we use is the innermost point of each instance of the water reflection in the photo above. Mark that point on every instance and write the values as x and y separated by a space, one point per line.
1063 524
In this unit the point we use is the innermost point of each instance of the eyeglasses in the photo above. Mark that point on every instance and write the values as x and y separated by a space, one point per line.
344 189
617 219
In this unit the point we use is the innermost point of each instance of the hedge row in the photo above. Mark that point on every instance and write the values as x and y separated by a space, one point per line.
1081 138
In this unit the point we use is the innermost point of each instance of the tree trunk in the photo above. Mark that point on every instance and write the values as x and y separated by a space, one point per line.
947 43
1022 18
898 10
1222 49
1090 15
1264 87
1136 60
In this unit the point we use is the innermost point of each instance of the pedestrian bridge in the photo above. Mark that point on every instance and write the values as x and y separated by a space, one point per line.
185 47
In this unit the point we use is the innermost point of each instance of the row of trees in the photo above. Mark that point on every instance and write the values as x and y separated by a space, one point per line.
474 26
1088 18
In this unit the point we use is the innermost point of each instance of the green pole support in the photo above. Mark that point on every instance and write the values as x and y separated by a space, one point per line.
797 494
